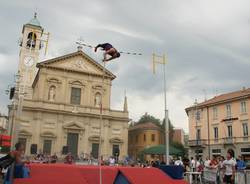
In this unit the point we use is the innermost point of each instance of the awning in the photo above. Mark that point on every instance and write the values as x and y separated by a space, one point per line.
5 137
6 143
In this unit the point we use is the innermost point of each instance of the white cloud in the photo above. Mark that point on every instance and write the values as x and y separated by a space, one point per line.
207 43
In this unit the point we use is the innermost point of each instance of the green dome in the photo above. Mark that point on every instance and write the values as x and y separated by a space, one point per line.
34 21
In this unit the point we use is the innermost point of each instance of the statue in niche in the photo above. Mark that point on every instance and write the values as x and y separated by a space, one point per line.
52 93
98 99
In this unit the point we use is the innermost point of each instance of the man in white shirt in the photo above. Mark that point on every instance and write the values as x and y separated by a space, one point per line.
111 161
192 164
178 162
229 166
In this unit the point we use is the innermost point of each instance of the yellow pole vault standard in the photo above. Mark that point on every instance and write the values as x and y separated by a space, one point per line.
157 59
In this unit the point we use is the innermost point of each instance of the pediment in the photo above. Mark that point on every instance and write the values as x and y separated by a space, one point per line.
73 125
115 140
24 133
94 138
77 62
48 134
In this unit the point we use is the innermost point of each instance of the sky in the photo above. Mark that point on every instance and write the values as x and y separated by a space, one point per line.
207 44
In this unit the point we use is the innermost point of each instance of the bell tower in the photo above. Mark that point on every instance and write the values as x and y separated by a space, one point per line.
30 47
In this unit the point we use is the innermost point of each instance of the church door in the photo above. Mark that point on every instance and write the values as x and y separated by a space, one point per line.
72 143
95 150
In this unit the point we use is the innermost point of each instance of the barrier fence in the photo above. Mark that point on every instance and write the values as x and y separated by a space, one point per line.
215 176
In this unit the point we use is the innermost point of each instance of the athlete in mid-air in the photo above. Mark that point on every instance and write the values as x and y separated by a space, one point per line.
108 50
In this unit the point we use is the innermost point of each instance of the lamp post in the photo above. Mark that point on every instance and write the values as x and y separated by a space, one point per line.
197 137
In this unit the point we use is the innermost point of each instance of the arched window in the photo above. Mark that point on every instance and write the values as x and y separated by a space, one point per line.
98 98
52 93
31 40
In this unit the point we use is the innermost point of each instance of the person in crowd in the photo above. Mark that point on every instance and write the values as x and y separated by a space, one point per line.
186 165
112 161
178 162
157 162
54 158
229 166
69 158
207 163
153 164
240 166
192 164
17 168
221 170
40 156
214 163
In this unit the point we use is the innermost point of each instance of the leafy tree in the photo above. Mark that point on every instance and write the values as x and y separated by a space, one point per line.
171 129
179 146
148 118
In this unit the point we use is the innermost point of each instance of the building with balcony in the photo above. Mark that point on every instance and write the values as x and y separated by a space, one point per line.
220 123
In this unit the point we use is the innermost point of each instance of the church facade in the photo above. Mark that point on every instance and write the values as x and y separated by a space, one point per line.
65 104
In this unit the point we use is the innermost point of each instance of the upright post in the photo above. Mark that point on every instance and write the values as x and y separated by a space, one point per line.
166 111
163 61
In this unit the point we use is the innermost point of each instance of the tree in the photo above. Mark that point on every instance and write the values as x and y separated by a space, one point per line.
148 118
171 129
179 146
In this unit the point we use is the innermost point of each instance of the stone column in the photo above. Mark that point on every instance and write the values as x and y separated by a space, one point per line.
106 137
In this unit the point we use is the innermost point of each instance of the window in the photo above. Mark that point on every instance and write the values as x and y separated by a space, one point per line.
31 40
215 113
228 110
95 150
116 150
144 137
230 131
75 96
245 129
23 141
136 139
243 107
47 146
152 137
198 115
198 134
216 135
216 151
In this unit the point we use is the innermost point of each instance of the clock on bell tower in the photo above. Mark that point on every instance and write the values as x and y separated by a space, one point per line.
30 47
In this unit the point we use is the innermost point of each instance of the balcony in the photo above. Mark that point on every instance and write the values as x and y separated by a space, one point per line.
197 143
228 140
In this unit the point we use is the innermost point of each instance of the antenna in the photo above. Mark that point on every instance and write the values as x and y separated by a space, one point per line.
205 94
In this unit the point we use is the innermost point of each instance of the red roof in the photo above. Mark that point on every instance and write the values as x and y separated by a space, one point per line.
244 93
148 125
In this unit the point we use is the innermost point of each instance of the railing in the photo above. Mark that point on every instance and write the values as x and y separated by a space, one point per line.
229 140
224 140
199 142
216 176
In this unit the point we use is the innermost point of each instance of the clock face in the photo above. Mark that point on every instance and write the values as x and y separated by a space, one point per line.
28 61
